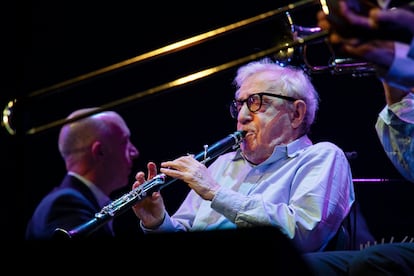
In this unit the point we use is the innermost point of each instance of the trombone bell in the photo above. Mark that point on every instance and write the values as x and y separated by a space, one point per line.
298 43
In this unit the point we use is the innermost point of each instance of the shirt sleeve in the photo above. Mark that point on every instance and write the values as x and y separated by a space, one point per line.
401 72
395 130
319 198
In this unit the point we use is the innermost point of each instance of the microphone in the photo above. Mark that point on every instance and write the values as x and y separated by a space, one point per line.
351 155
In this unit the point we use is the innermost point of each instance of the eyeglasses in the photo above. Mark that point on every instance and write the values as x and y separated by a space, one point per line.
254 102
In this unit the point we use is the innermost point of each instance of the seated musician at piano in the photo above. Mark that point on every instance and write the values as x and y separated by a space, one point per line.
277 177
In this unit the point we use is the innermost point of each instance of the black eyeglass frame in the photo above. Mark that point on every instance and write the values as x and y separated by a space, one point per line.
234 110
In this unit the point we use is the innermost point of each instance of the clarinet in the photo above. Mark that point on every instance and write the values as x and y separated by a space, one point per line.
126 201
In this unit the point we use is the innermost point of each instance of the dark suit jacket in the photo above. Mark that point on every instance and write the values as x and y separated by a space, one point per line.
67 206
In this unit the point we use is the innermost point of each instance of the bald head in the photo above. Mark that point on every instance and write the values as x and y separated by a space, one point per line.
98 147
77 136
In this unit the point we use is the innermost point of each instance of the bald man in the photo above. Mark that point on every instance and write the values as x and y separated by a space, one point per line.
98 156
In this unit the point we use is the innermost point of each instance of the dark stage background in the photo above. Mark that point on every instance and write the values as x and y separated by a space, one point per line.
47 42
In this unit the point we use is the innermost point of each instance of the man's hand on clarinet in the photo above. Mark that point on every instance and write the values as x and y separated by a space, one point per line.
151 209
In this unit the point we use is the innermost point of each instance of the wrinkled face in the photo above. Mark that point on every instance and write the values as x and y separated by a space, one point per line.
268 126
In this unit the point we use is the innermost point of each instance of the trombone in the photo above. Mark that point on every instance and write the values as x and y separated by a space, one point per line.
296 40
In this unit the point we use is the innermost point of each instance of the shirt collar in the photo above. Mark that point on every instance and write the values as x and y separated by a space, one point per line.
100 196
283 151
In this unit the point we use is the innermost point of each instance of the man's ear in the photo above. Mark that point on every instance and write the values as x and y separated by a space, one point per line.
299 112
97 149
